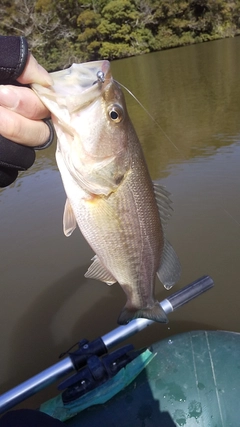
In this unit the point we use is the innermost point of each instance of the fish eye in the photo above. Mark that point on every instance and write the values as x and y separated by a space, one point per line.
115 113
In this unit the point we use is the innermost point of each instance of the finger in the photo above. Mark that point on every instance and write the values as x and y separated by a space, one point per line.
34 73
23 130
22 100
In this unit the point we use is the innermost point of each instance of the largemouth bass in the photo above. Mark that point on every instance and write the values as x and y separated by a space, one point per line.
110 195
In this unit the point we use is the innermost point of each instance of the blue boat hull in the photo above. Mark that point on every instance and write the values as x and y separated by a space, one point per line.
193 380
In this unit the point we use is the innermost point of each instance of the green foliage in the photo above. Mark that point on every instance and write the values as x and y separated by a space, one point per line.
114 50
60 32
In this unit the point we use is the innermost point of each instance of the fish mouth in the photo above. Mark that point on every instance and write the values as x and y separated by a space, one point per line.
77 86
90 80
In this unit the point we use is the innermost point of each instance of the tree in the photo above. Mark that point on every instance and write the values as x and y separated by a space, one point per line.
62 31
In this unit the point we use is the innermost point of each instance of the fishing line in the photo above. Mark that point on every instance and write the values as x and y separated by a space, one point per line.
231 216
152 118
101 79
169 139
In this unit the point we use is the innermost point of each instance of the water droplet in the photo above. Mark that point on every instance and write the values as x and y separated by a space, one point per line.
195 409
170 341
201 386
180 417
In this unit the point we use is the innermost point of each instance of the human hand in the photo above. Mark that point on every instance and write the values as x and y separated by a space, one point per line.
23 125
21 110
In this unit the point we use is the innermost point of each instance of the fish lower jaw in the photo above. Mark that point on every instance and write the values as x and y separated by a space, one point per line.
155 313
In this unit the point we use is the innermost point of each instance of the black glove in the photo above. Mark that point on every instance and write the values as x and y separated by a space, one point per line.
15 157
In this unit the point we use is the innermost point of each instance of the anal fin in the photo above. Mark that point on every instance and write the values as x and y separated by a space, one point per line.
99 272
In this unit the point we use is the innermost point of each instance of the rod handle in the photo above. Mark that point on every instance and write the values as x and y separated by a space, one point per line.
190 292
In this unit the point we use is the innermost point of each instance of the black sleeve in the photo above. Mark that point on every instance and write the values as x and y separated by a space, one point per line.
29 418
13 58
15 157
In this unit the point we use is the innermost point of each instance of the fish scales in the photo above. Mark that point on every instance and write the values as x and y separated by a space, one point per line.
110 194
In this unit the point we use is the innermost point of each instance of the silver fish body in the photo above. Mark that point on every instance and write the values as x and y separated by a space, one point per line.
110 195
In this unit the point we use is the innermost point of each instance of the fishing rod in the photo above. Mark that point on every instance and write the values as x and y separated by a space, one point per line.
75 361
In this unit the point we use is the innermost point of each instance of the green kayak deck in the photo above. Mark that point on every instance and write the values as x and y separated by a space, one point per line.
193 380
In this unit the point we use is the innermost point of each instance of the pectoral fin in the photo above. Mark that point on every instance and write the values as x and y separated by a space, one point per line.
69 220
99 272
170 269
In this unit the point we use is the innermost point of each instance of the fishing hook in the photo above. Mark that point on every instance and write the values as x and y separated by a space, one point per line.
100 77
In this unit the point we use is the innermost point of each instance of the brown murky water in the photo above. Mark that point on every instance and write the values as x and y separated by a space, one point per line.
193 93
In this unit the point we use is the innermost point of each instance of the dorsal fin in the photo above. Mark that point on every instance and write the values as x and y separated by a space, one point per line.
170 269
163 202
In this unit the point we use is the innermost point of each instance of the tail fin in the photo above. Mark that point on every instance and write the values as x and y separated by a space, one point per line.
155 313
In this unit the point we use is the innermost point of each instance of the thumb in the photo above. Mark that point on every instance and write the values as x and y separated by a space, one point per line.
34 73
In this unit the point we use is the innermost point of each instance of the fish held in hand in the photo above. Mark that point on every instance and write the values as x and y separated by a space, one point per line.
110 195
